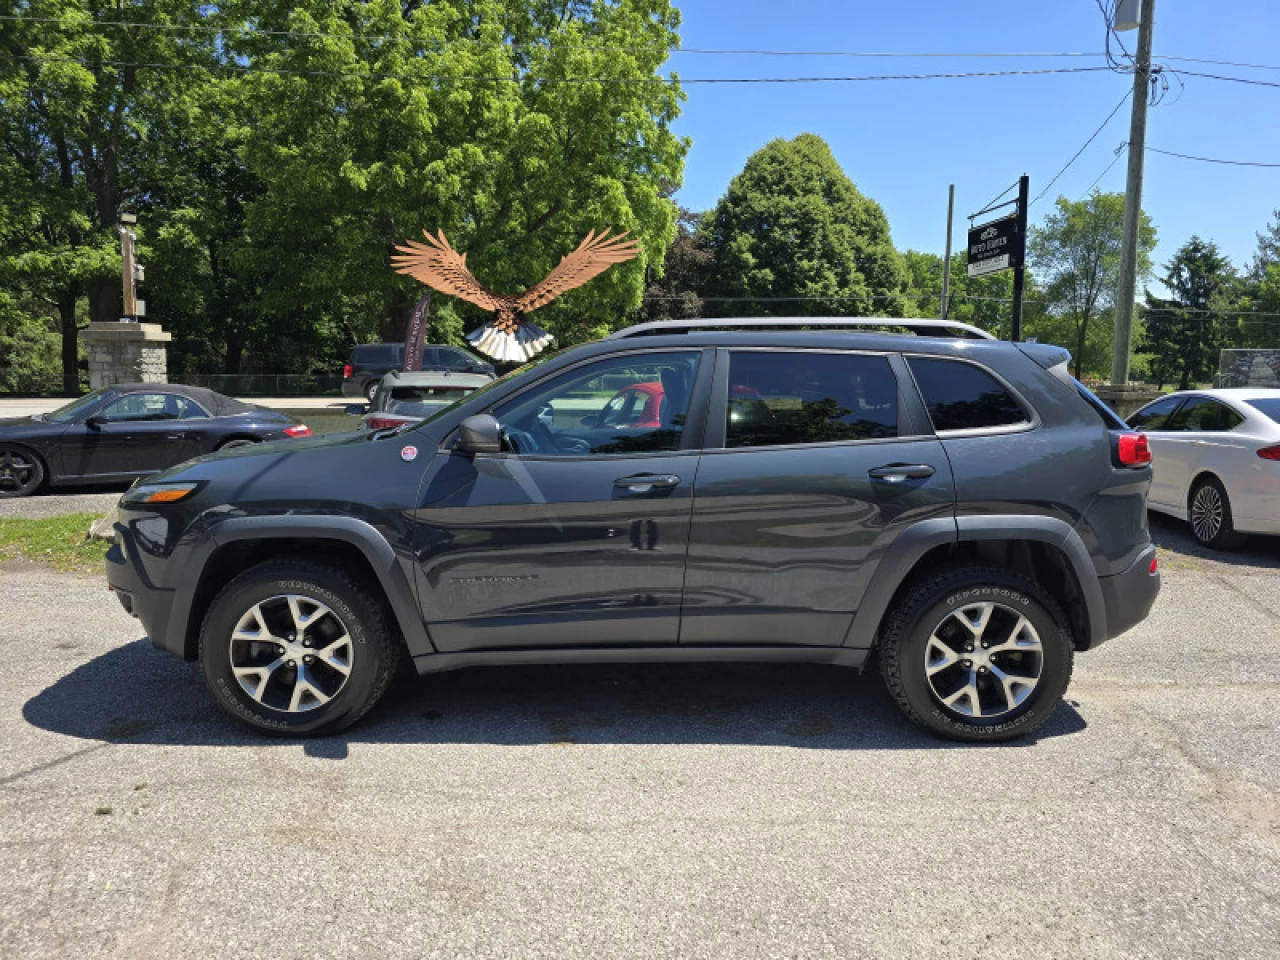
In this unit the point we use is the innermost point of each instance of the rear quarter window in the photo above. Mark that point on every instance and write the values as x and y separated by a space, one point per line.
963 396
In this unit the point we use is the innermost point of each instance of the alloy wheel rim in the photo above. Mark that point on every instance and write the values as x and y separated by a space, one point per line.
983 660
1206 513
291 653
16 470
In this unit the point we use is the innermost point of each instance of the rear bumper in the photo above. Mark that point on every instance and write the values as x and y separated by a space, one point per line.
353 388
1129 596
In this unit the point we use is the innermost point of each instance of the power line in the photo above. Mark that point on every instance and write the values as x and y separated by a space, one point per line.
475 41
1233 163
520 78
1093 136
1225 63
1218 76
1120 152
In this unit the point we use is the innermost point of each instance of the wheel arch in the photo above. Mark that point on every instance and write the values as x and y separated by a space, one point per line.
345 542
1194 485
1046 548
237 437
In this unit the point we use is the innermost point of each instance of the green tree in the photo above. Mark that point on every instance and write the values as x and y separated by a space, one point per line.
75 119
675 287
1183 334
466 115
792 224
984 302
1076 254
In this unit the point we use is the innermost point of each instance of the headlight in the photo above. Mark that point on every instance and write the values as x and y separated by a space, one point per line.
152 493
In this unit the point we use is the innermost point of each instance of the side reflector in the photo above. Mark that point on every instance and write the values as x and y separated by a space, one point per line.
1155 564
298 430
1270 453
1133 450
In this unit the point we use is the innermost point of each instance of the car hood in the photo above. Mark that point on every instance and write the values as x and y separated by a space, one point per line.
217 464
16 428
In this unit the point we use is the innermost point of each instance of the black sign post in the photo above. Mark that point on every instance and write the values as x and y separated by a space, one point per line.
1001 245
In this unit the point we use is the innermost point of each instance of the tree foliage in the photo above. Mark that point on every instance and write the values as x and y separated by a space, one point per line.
1076 253
286 151
792 224
1183 334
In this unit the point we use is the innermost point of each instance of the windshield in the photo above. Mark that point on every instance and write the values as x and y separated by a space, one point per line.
1269 406
73 409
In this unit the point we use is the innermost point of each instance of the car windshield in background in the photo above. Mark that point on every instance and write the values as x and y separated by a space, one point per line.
67 413
1269 406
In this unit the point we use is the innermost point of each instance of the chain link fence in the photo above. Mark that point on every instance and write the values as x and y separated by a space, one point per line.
1248 368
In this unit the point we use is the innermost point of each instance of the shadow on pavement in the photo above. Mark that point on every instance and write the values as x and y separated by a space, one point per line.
1175 536
136 694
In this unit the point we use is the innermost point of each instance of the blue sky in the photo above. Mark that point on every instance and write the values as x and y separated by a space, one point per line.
903 142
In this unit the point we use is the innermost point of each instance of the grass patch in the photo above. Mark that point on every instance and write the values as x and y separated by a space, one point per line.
58 541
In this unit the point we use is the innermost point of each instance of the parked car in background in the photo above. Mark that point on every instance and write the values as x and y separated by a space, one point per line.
408 397
1216 455
951 507
369 362
128 431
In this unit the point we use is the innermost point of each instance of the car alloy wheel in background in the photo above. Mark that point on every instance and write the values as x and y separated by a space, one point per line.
21 473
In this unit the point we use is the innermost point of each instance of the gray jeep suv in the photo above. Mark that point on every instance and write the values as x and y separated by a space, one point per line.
956 507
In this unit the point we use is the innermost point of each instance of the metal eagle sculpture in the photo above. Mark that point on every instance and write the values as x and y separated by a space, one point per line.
509 336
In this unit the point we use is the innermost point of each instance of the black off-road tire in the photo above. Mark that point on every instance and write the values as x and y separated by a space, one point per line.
24 472
376 646
905 636
1223 536
370 389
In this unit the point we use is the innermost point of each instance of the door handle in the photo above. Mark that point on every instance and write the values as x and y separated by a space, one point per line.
901 472
646 481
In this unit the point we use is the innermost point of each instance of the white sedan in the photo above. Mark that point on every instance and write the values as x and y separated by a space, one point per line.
1216 455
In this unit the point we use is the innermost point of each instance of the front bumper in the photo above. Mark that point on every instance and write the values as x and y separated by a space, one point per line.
1129 596
141 598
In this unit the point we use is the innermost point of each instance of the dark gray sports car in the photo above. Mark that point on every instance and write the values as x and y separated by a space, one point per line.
127 431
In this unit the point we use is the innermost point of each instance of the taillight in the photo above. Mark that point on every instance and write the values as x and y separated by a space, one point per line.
1132 449
382 423
346 371
1270 453
297 430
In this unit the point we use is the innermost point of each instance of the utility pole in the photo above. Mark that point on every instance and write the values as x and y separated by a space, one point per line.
128 275
946 262
1126 288
1020 268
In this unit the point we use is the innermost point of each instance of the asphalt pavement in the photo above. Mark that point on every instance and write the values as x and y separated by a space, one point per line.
648 812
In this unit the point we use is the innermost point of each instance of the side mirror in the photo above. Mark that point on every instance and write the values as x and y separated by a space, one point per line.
479 434
355 409
95 422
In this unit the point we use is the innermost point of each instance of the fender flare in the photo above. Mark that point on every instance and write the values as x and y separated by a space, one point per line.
914 543
366 538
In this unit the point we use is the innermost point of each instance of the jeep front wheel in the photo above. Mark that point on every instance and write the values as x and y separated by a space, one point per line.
296 648
977 653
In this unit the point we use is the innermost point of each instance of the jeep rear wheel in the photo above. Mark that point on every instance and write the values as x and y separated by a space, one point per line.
295 648
977 653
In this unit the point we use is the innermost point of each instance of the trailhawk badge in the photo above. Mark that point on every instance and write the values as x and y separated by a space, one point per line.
408 453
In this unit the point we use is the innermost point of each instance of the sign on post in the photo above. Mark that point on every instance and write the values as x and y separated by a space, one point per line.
995 246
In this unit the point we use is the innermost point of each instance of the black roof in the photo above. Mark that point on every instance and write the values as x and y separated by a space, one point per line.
216 403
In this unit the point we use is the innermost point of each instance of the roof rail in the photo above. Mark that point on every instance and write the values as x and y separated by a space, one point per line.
920 327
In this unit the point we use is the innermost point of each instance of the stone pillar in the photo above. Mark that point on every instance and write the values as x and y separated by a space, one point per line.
1126 398
126 352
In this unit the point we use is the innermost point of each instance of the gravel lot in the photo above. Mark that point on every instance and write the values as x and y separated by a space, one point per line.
732 812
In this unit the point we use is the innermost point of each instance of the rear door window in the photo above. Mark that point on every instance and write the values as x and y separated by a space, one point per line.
963 396
1154 416
1201 414
787 397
